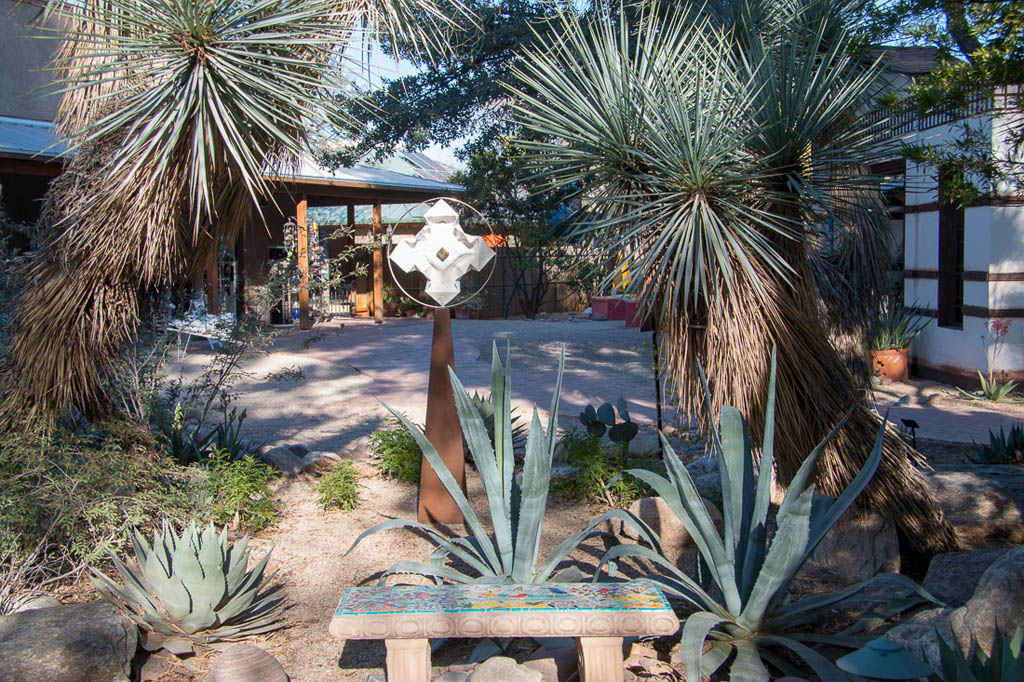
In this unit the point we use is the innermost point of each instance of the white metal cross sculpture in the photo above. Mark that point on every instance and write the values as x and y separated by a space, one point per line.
442 252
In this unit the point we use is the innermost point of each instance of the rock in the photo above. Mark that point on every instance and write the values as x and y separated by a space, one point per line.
643 661
485 649
75 643
375 677
26 601
984 504
311 459
704 472
299 450
554 663
656 513
503 669
452 676
861 545
284 460
920 633
996 603
245 663
952 577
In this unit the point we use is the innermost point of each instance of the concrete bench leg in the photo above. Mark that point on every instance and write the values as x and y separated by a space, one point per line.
408 660
600 659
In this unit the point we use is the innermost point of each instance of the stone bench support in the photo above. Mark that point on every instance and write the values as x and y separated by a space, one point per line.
597 615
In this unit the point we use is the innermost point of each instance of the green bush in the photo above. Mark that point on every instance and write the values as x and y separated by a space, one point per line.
396 453
597 479
240 492
76 496
339 487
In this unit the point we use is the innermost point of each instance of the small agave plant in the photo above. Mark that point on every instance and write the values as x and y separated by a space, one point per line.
517 502
751 612
193 588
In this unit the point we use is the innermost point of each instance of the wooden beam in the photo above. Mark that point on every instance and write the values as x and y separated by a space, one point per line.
378 266
351 215
302 250
213 280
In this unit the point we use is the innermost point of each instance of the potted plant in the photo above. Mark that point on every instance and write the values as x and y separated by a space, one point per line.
896 328
391 299
474 306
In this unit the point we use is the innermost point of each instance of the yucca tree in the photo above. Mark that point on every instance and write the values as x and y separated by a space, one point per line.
175 112
713 142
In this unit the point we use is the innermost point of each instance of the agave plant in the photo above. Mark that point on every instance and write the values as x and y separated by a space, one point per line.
751 569
193 587
485 407
510 552
896 327
1005 448
1005 662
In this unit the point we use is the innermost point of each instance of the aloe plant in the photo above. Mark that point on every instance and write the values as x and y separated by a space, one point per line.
509 552
1004 663
193 587
751 568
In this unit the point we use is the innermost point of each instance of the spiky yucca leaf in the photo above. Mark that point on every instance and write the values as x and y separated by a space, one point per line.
1003 663
714 146
194 586
751 569
180 116
510 552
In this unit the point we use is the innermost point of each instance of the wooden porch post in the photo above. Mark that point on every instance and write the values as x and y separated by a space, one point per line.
213 280
378 266
302 251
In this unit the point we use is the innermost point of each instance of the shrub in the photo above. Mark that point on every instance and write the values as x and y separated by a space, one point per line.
510 553
750 611
599 477
1005 448
396 453
240 491
73 497
339 487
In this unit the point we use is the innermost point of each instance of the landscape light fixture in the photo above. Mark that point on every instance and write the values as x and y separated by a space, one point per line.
884 659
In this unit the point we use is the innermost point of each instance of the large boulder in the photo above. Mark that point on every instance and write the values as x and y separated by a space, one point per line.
861 545
656 513
984 504
920 634
75 643
952 577
996 603
706 478
284 460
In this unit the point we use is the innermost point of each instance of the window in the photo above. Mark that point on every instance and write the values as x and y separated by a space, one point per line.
951 258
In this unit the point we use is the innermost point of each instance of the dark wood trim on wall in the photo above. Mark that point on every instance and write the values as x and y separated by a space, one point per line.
933 206
956 376
976 311
969 275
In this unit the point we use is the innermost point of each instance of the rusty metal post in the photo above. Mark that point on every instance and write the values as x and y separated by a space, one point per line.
378 266
302 252
442 429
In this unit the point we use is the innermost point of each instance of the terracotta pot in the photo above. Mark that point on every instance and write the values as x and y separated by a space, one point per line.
411 312
391 310
892 365
474 313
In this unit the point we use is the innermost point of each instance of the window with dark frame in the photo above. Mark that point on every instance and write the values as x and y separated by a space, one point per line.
951 258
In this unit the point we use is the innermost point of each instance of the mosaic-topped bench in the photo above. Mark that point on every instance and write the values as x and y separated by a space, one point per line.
597 615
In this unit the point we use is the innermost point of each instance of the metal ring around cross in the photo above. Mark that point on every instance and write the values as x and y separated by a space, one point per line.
391 268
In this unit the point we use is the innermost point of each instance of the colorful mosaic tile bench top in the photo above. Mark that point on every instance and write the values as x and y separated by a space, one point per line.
410 599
